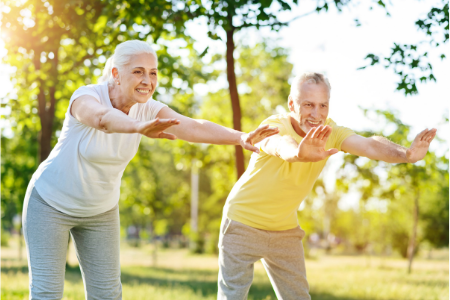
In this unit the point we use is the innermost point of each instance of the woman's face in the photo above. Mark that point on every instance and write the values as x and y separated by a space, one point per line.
138 80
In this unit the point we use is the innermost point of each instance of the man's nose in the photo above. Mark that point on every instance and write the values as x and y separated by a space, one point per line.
315 112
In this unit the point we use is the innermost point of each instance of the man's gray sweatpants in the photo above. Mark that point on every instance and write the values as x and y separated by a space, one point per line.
281 252
96 239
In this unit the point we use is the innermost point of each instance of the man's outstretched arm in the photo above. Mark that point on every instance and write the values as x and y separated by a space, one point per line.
310 149
380 148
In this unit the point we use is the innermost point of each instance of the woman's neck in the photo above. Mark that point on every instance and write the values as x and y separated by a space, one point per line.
118 101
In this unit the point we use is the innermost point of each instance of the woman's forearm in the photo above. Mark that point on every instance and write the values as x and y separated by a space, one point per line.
203 131
115 121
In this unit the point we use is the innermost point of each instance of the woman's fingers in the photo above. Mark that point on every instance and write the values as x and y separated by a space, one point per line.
252 148
162 124
169 136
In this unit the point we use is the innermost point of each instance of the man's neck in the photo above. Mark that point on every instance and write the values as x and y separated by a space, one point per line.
296 126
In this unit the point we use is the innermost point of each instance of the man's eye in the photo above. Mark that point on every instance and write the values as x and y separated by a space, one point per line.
137 72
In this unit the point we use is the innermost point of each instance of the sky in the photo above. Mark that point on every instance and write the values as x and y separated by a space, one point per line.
331 43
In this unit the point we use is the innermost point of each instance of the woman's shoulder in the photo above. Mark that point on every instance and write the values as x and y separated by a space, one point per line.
98 91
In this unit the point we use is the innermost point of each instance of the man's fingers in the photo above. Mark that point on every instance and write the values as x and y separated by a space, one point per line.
431 133
324 132
310 133
431 137
327 134
331 151
317 131
422 134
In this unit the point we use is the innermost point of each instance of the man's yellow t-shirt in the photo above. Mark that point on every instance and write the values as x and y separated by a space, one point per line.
269 193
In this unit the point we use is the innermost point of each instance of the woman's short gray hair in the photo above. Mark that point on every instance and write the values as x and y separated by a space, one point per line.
121 57
309 77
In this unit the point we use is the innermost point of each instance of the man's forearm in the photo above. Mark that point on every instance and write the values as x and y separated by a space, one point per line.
387 151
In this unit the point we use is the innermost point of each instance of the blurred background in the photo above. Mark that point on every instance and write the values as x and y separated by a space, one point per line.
374 230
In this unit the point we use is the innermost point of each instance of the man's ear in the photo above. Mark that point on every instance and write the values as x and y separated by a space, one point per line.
291 103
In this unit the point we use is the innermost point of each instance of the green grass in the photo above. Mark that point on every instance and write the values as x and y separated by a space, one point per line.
180 275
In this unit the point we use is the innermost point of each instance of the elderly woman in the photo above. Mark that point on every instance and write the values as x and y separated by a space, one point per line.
76 190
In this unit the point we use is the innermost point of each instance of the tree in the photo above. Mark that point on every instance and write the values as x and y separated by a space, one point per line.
58 46
231 16
404 184
263 73
407 60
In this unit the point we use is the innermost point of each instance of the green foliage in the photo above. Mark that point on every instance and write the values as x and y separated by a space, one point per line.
56 47
400 184
410 61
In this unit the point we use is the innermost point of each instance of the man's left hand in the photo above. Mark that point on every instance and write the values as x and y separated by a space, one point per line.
420 145
249 139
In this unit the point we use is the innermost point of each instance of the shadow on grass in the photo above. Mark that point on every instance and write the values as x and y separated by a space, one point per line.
203 282
73 273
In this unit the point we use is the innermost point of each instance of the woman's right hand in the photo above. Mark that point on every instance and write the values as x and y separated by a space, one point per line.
155 128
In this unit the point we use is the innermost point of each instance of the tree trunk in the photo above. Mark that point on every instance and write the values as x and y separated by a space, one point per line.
46 109
235 104
412 241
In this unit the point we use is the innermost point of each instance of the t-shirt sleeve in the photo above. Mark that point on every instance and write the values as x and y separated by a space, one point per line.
85 90
340 133
82 91
152 109
274 122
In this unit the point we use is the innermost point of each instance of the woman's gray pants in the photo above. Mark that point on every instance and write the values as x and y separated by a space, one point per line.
46 231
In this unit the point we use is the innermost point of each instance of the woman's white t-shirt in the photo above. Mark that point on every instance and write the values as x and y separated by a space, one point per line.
82 175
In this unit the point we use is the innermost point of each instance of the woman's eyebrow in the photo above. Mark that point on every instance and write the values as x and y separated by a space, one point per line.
142 68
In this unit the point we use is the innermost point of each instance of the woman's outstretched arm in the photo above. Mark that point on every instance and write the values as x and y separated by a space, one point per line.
203 131
90 112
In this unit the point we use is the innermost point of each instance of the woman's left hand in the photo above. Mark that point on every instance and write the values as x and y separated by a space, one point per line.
256 136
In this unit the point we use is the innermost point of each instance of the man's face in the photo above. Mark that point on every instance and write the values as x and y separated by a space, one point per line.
310 108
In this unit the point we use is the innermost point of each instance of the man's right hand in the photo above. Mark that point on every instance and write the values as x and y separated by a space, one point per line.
312 147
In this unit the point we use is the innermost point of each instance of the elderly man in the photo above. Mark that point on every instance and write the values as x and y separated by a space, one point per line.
260 215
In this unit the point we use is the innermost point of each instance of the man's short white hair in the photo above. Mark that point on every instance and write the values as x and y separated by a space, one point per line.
309 77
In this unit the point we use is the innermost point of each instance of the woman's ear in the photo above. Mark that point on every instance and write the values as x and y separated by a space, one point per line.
115 73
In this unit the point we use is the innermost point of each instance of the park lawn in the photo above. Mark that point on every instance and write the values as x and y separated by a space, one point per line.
180 275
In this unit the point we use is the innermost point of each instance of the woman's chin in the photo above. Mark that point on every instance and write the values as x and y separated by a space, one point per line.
143 98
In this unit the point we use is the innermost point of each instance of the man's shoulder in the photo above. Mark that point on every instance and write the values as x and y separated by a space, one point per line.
277 119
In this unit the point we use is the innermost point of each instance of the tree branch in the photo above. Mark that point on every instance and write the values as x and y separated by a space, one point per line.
276 23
